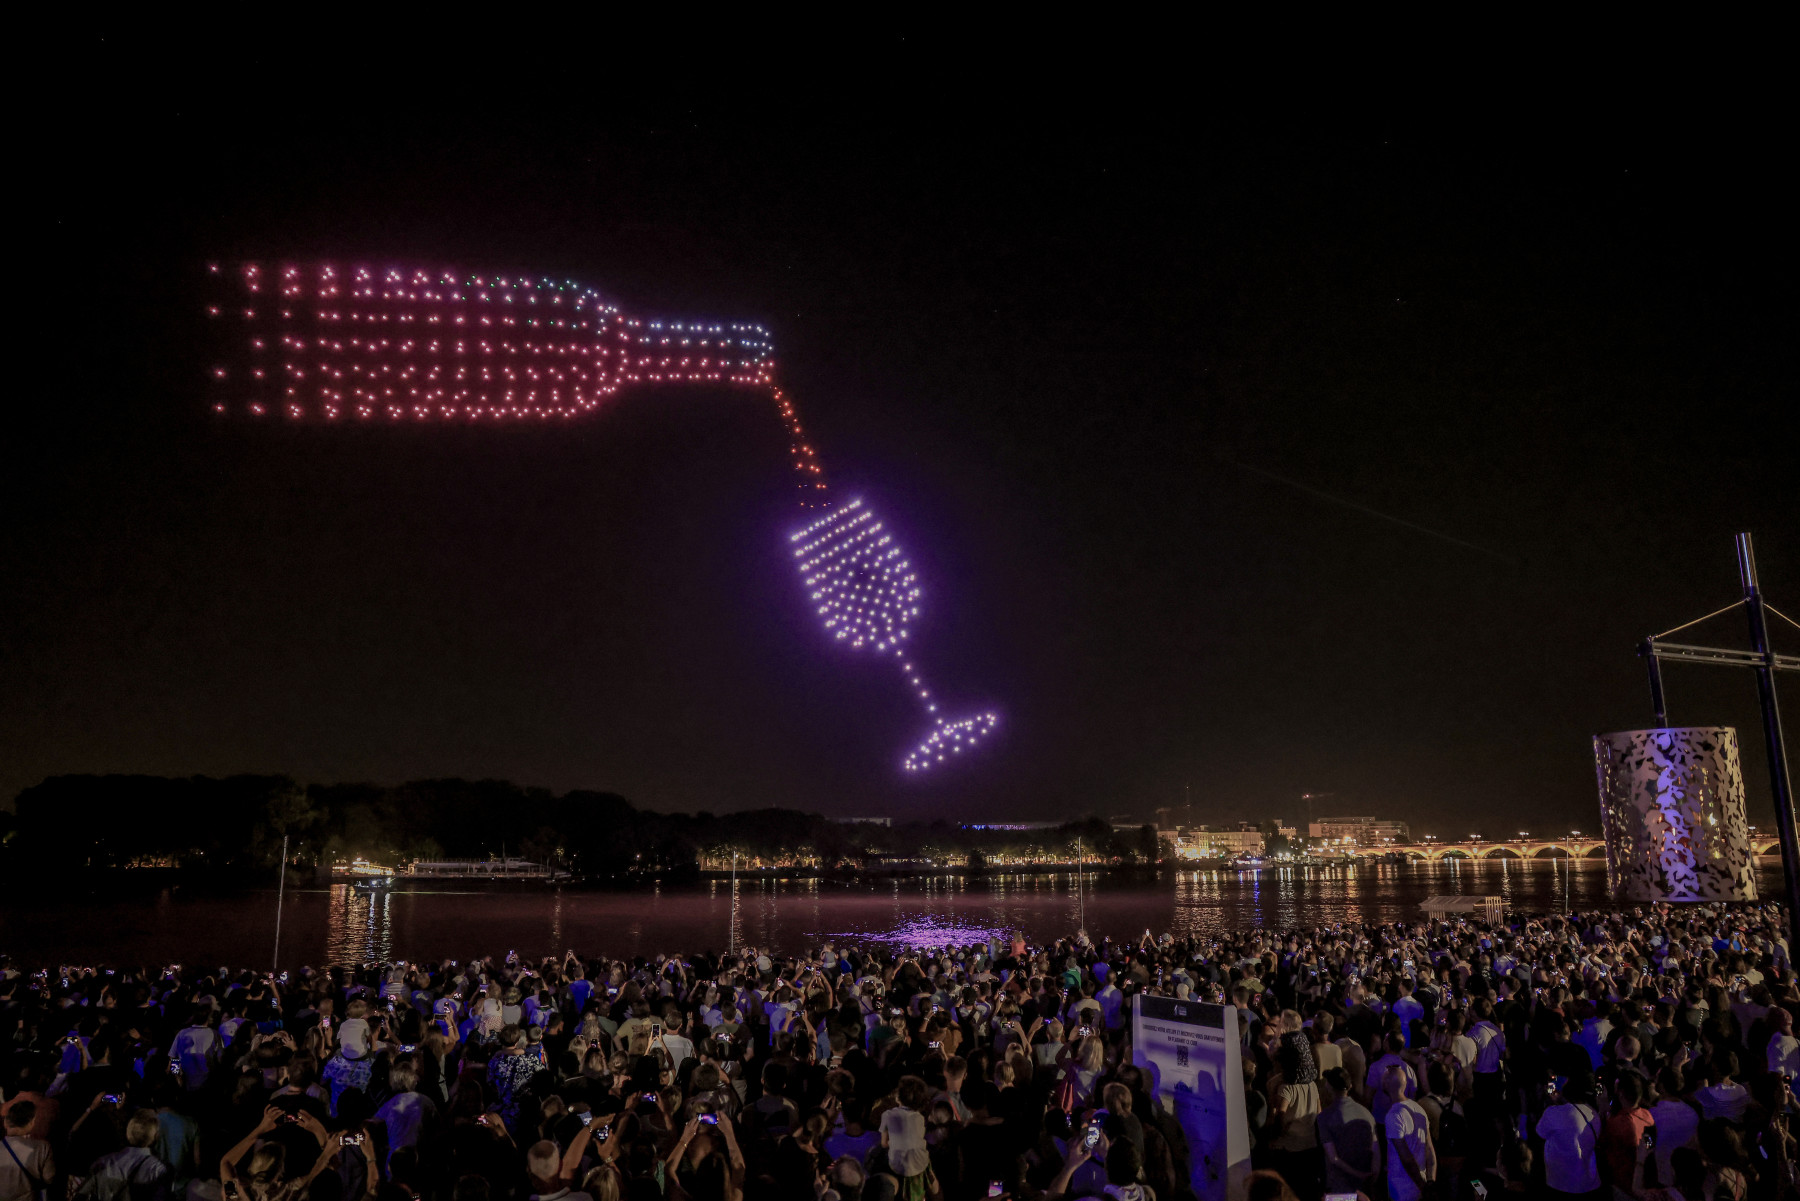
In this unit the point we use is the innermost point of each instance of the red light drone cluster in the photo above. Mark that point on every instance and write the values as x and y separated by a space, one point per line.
361 344
329 343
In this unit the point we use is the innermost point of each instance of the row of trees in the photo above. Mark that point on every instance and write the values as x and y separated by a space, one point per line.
236 824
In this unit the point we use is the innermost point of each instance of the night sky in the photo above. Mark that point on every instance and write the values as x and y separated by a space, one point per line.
1094 351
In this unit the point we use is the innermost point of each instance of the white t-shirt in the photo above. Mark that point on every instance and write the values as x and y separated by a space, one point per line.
1490 1044
1727 1099
905 1130
1407 1126
778 1014
403 1114
1784 1054
193 1048
1570 1132
679 1047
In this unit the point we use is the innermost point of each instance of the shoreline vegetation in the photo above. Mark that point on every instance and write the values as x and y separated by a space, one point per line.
201 829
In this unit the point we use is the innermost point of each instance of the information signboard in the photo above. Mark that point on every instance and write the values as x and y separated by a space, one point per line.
1190 1052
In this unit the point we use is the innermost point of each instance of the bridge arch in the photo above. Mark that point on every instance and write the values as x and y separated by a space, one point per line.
1500 853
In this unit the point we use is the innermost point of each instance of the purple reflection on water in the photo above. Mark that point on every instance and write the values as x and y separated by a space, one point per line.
928 933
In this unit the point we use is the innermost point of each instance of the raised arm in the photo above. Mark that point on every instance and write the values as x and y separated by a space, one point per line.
732 1154
571 1160
1078 1155
272 1116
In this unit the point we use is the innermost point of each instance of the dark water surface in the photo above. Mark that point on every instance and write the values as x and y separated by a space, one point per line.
342 925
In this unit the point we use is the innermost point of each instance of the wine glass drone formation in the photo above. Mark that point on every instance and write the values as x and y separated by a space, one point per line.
356 344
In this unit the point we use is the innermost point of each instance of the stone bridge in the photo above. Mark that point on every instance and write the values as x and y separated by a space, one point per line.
1520 848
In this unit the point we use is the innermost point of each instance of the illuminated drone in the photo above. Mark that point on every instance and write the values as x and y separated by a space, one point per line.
330 344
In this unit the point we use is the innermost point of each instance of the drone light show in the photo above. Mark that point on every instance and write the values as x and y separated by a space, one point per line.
866 593
320 343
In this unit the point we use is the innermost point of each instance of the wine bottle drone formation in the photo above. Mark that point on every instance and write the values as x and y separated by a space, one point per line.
320 343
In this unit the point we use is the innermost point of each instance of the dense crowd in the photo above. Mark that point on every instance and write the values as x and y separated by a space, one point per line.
1645 1055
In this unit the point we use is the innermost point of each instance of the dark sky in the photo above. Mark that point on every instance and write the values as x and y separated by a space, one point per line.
1063 333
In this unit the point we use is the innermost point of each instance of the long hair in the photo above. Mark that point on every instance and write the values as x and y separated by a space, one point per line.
1092 1055
602 1183
265 1180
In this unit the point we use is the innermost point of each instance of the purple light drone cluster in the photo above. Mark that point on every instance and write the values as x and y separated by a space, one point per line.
867 593
332 344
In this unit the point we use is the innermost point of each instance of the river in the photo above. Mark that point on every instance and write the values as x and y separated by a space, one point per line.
342 925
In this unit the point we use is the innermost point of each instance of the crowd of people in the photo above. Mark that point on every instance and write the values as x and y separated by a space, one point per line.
1645 1054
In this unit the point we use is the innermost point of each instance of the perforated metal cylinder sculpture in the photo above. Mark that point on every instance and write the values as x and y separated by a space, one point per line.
1672 811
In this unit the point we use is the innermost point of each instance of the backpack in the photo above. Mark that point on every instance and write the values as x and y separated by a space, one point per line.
1453 1131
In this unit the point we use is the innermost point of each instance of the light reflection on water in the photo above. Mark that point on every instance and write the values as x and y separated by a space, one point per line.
359 924
346 925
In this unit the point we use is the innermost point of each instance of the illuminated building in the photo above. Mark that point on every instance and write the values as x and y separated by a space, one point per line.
1360 831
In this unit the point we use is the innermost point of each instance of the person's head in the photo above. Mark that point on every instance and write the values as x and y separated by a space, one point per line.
1333 1083
1393 1082
1628 1092
1123 1163
1689 1169
20 1117
1263 1186
1579 1090
847 1176
403 1077
602 1183
1092 1054
1517 1160
268 1167
142 1129
1721 1144
543 1162
472 1188
812 1129
914 1093
1116 1097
